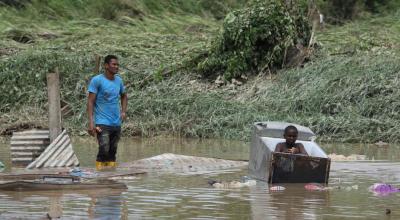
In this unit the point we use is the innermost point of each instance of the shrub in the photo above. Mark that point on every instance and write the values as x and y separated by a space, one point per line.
253 39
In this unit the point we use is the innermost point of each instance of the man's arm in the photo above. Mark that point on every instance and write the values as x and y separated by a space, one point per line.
124 104
90 104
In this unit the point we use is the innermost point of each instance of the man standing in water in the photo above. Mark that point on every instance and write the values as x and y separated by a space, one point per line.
104 111
290 146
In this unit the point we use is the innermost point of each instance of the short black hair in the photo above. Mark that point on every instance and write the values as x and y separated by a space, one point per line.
290 127
108 58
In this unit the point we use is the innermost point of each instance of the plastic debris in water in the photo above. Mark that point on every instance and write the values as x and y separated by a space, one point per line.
331 187
245 178
231 184
319 187
250 183
123 178
352 157
383 189
76 171
2 166
349 188
277 188
314 187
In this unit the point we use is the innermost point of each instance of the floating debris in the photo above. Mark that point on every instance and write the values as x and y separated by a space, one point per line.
45 186
124 178
59 153
2 166
383 189
277 188
232 184
349 188
82 173
320 187
181 163
352 157
314 187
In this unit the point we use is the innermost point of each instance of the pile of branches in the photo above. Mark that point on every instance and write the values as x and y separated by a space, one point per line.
255 39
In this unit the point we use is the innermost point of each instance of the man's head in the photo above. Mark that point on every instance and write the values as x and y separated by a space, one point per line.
111 64
290 134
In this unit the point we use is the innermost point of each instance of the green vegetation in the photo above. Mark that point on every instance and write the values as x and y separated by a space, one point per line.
255 39
162 38
348 91
341 11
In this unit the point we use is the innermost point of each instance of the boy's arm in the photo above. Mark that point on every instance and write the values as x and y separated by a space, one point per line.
302 149
278 147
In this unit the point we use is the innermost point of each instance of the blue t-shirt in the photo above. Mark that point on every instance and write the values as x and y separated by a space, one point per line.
107 107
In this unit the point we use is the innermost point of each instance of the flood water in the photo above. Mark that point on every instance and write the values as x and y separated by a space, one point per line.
177 196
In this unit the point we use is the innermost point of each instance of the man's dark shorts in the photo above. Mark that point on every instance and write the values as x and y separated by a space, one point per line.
108 141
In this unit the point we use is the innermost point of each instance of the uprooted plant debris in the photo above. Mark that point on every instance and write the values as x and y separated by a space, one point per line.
255 39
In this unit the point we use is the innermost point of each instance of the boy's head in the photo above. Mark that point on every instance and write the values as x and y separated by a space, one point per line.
290 134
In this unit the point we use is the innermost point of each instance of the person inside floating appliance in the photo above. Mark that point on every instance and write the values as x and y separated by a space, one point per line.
290 146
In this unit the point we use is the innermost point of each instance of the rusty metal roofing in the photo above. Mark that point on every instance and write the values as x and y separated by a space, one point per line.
59 153
27 145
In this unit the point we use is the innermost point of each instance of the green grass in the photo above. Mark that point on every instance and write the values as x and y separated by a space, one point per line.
347 92
161 39
371 34
348 99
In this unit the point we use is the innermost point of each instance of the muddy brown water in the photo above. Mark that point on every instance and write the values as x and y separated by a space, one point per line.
176 196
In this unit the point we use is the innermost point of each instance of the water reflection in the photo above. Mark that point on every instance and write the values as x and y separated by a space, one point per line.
101 204
108 207
55 207
293 203
175 196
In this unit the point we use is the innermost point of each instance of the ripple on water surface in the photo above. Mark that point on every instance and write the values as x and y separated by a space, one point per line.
172 196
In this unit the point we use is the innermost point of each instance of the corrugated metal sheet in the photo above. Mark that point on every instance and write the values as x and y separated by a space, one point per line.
26 146
182 163
58 154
